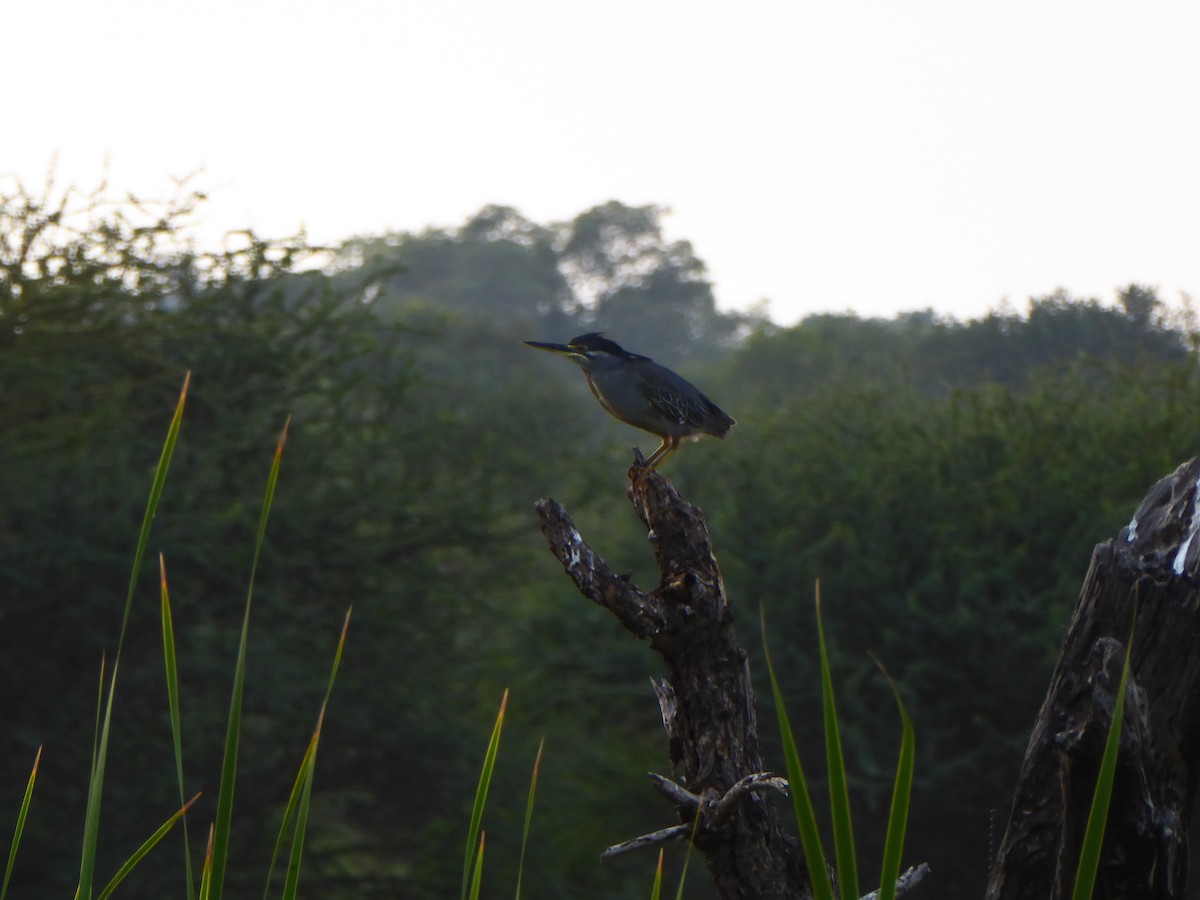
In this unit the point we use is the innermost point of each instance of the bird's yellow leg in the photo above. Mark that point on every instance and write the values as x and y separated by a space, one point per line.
668 446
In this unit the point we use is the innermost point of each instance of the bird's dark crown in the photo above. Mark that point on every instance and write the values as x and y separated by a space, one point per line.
596 342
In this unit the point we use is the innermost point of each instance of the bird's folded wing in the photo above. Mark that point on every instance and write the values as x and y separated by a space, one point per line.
672 404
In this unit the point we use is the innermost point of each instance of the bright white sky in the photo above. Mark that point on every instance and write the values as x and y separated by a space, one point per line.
832 155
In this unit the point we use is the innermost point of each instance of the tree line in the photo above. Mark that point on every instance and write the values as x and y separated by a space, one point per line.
945 480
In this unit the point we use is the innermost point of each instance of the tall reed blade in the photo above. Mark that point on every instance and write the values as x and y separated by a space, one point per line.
477 877
20 827
687 857
144 849
656 888
485 780
806 820
893 845
839 792
221 827
1093 836
168 630
537 762
91 825
292 883
295 815
206 869
156 489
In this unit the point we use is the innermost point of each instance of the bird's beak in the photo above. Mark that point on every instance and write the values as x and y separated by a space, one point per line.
561 349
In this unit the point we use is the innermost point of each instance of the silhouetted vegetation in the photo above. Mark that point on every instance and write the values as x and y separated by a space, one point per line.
946 481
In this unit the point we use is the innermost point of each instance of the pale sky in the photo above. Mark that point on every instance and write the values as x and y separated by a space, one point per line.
833 155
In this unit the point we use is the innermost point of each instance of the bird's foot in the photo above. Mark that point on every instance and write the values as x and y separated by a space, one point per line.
640 469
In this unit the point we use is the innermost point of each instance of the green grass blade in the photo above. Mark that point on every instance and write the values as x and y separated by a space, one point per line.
91 826
839 792
296 812
156 489
806 820
1093 836
20 827
292 883
537 762
337 662
221 827
485 780
477 877
172 672
206 869
144 849
289 813
224 817
85 868
291 810
656 890
91 823
687 857
893 845
99 715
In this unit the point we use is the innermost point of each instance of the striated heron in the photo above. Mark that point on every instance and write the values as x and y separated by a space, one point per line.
641 393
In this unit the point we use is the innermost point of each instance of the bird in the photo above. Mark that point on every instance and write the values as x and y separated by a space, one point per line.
641 393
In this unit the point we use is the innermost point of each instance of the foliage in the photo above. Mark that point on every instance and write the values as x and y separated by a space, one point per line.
956 529
610 268
946 480
839 795
19 829
213 873
99 761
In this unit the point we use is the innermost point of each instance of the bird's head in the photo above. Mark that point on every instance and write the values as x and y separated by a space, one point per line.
587 349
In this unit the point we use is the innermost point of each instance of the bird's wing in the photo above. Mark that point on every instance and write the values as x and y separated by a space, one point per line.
673 400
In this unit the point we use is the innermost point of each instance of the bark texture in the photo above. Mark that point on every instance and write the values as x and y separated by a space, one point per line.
1151 567
706 699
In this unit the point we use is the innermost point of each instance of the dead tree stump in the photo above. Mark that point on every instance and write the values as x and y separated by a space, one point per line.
1152 568
706 699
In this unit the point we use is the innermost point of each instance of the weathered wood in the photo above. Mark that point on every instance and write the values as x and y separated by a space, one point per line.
1152 566
706 699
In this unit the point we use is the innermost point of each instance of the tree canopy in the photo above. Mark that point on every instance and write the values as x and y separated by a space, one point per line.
945 480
